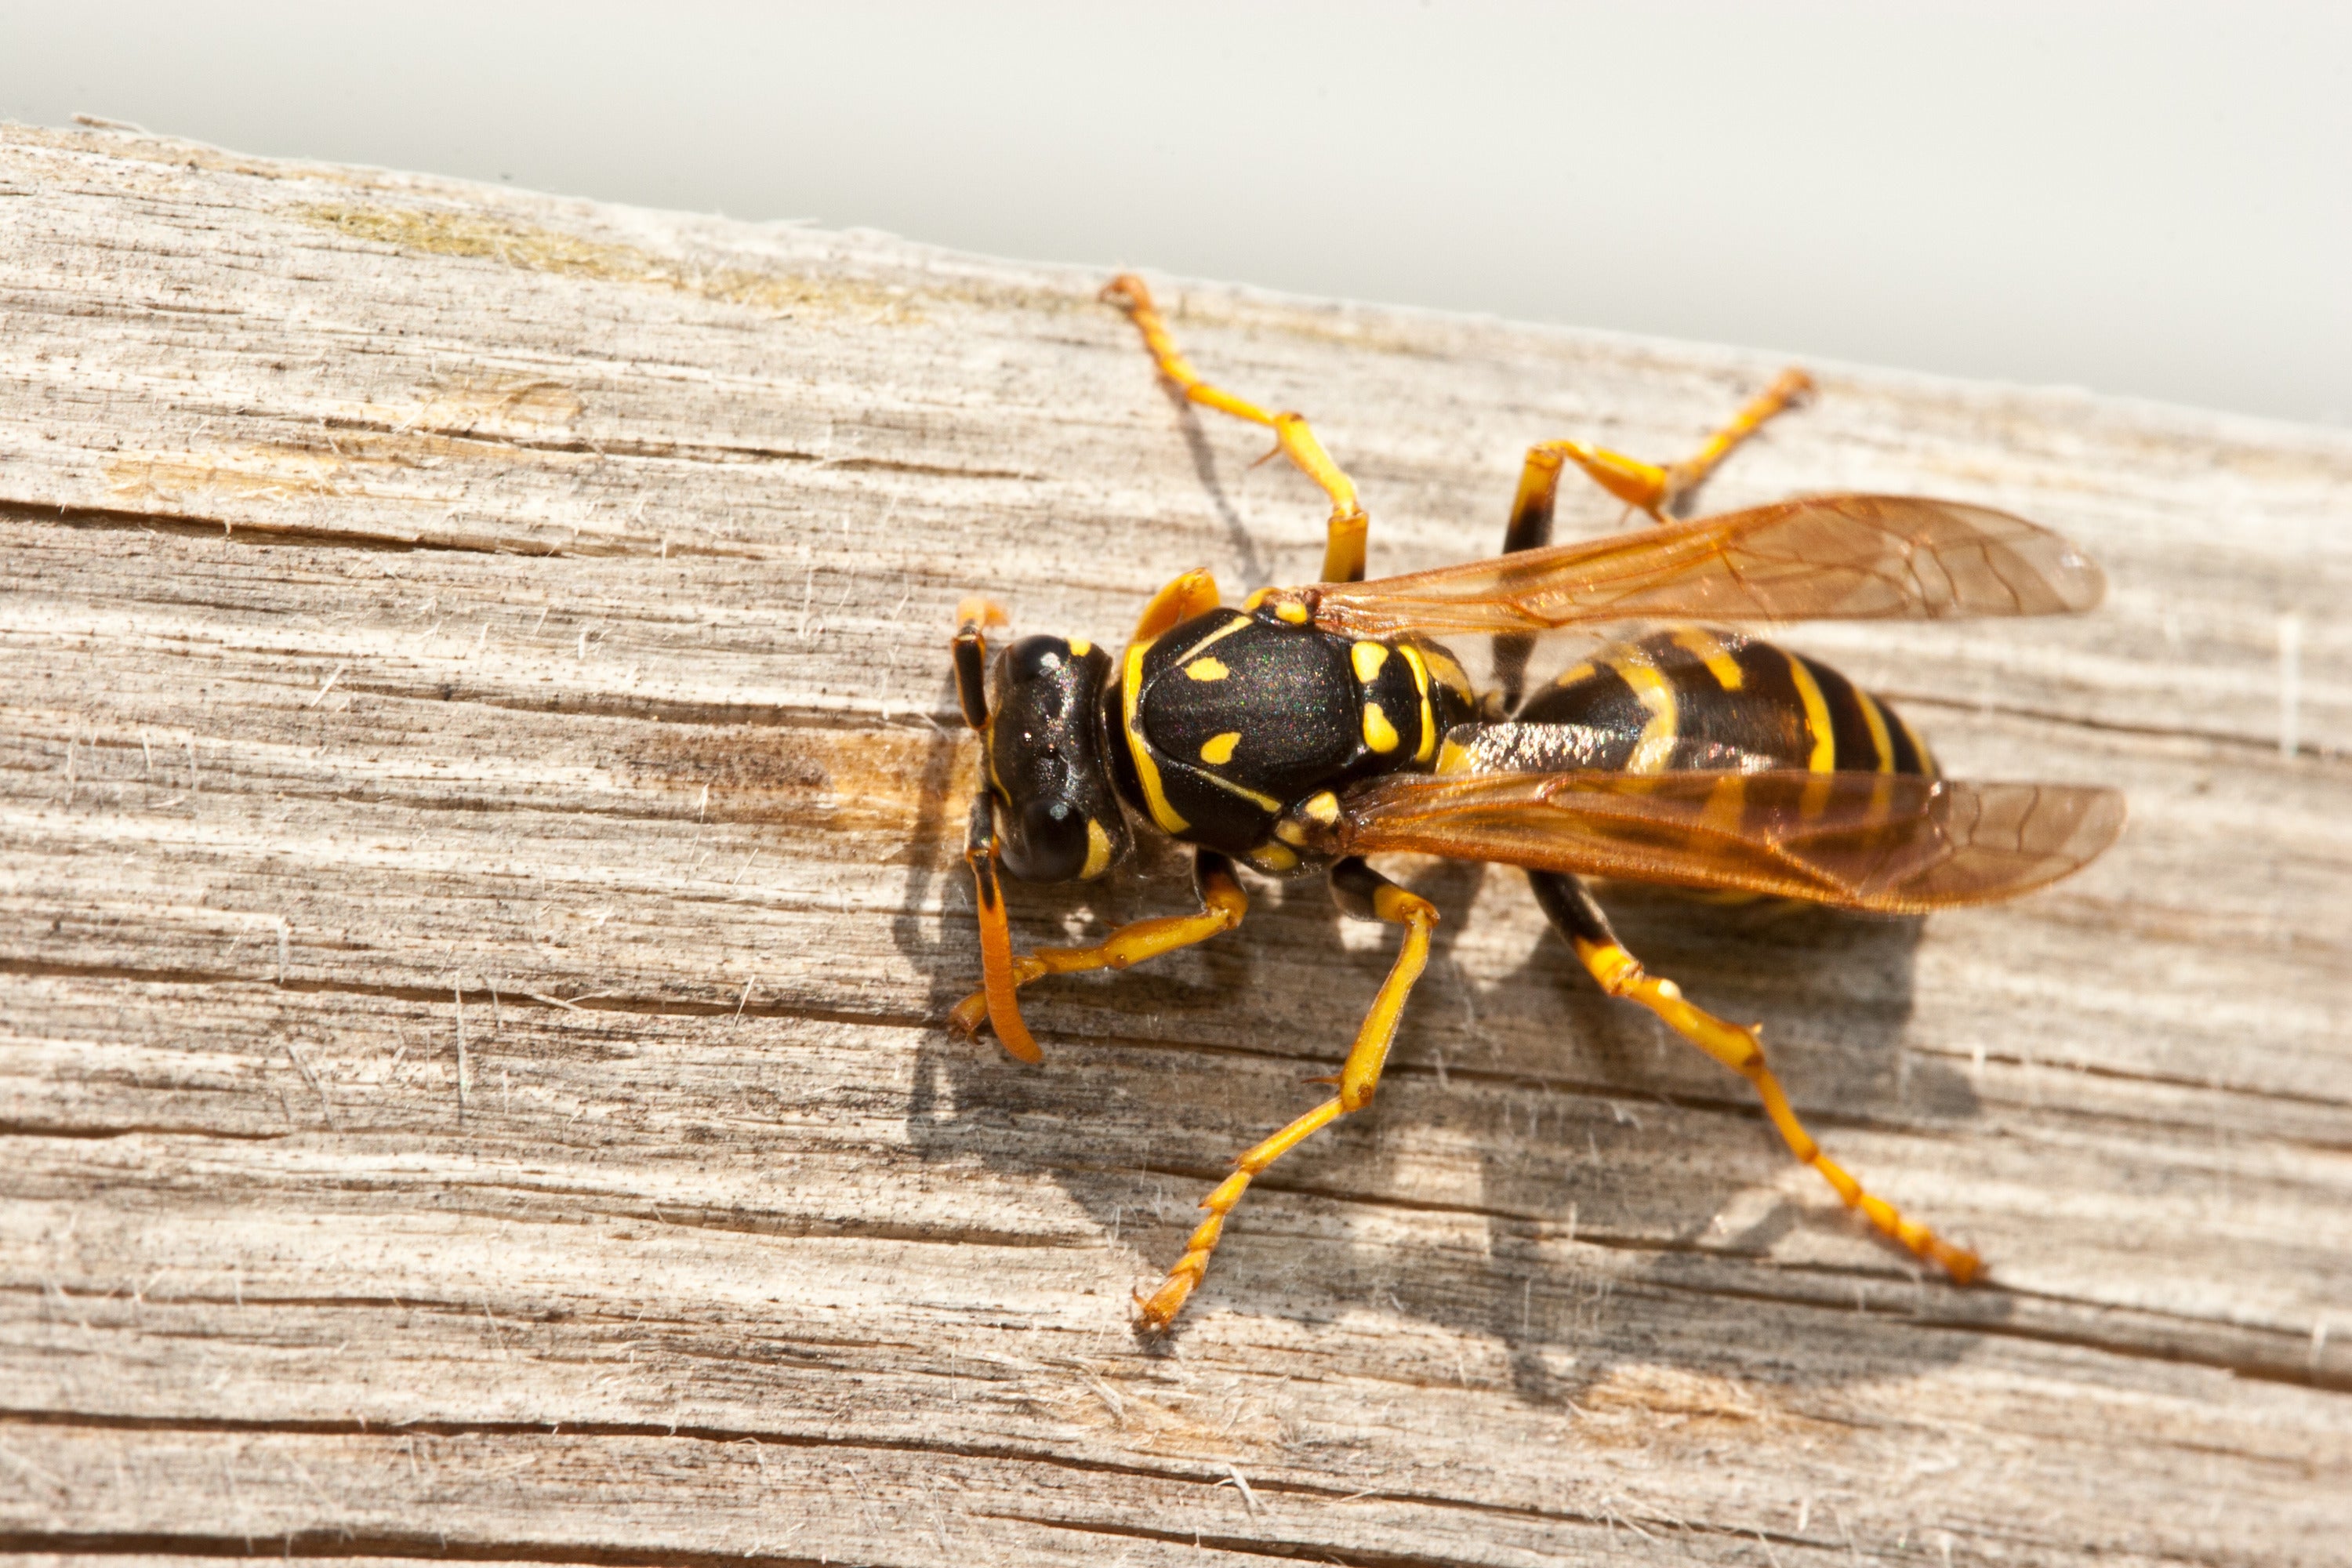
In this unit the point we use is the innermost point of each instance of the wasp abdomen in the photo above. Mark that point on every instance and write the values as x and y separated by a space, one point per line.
1687 697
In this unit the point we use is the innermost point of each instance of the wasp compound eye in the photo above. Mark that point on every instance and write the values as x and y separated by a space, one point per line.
1032 656
1052 842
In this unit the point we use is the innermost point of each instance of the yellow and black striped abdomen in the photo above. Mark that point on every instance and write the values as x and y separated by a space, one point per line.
1698 697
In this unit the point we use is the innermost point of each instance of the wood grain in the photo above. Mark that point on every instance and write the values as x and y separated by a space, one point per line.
481 801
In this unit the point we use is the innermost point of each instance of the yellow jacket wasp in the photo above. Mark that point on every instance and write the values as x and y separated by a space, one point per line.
1314 726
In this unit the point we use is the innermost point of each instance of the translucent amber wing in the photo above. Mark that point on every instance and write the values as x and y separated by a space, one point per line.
1839 557
1891 843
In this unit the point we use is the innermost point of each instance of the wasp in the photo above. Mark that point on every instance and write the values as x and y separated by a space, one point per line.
1309 728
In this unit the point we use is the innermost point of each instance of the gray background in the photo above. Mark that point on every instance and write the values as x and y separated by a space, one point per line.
2142 199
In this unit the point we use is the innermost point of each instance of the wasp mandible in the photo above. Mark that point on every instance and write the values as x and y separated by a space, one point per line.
1311 727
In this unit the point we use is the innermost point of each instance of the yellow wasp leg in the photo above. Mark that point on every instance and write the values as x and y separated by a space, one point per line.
1789 388
1179 602
1648 485
998 967
1364 893
1343 545
1621 975
1222 904
973 617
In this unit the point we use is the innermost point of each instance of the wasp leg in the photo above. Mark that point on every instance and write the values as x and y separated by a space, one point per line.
1656 490
1365 894
1530 529
996 960
973 617
1193 593
1571 909
1653 489
1343 544
1790 387
1222 904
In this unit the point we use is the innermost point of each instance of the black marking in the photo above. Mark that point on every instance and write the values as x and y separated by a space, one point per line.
1355 889
1908 759
971 678
1568 903
1530 529
1854 750
980 850
1766 715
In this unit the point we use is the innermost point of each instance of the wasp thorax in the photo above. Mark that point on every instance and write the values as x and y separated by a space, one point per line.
1314 826
1291 606
1046 762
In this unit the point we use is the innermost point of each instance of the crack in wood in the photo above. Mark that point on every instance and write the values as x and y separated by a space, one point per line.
314 1542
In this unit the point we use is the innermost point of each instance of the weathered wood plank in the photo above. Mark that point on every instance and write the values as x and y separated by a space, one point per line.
426 603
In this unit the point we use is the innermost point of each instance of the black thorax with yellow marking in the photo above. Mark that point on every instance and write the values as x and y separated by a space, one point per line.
1218 725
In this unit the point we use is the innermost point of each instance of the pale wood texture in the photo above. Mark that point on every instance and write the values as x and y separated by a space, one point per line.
482 803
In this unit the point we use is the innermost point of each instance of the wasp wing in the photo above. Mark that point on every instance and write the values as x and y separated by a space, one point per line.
1893 843
1835 557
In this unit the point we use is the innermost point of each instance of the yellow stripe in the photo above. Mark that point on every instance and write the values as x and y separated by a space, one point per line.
1702 646
1878 735
1447 672
1817 715
1275 858
1726 805
1571 676
1097 851
1428 747
1147 772
1237 624
1656 746
1262 802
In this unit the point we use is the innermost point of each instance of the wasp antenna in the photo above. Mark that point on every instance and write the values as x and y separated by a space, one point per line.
973 617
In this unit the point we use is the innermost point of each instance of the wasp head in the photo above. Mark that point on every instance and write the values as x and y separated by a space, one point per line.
1059 822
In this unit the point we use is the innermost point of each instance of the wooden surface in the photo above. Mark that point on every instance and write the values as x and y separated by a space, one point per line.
481 811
